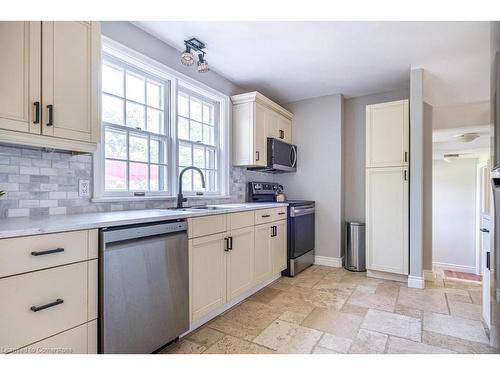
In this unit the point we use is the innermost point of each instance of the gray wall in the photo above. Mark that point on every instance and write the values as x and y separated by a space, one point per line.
427 188
355 149
318 132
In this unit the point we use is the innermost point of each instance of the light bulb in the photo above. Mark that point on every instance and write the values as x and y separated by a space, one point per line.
187 57
202 65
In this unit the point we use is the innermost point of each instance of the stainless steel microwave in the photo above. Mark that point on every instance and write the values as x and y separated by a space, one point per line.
281 157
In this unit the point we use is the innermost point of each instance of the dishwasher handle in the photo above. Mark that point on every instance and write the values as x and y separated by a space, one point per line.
130 232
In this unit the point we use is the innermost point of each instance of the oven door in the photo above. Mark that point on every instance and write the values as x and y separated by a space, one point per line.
300 231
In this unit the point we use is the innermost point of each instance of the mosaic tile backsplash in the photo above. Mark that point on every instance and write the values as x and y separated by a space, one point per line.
40 182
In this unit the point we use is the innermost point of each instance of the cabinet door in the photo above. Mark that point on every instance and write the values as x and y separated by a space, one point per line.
262 254
240 261
279 247
285 129
260 135
20 70
272 124
387 134
387 219
207 274
70 75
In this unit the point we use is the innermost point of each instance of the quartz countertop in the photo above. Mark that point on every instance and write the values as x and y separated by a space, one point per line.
27 226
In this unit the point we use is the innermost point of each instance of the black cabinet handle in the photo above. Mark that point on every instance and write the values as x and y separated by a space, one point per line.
230 243
257 155
45 252
488 260
484 230
282 134
226 243
266 215
36 119
274 231
50 115
43 307
281 213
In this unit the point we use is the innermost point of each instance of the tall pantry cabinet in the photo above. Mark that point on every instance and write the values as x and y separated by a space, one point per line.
387 182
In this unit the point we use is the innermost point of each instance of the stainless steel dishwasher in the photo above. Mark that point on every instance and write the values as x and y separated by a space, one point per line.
143 286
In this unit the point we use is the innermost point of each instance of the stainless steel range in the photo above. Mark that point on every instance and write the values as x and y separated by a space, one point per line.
300 225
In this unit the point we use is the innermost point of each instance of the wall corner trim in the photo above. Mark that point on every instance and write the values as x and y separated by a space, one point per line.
328 261
416 282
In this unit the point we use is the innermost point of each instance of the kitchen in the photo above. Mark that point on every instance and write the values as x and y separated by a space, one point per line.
194 216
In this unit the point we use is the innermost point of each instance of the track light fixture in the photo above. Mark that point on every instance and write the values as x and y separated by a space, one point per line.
187 57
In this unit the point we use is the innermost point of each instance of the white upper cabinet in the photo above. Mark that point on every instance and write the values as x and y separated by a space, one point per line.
387 134
70 75
255 118
50 84
20 85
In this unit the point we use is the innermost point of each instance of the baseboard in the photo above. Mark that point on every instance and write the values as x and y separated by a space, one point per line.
416 282
328 261
429 275
454 267
198 323
387 276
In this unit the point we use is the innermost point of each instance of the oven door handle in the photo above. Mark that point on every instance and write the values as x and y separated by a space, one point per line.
296 211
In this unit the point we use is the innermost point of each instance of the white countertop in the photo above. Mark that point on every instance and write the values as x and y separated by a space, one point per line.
27 226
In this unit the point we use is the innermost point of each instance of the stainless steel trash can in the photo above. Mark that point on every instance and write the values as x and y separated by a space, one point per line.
355 250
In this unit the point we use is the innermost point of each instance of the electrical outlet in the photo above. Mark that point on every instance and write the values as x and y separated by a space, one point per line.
83 188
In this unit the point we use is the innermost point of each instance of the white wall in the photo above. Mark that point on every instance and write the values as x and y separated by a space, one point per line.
317 132
454 213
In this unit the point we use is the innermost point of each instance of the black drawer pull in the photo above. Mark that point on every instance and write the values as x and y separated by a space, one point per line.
281 213
266 215
43 307
45 252
226 243
484 230
36 120
50 115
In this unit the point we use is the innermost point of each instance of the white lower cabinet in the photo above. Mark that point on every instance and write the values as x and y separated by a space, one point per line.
207 274
240 261
223 266
387 219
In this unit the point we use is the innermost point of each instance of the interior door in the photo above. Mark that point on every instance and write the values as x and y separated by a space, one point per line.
387 219
240 261
262 254
70 74
20 75
485 249
387 134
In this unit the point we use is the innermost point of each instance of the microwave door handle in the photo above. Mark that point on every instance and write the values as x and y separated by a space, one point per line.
293 156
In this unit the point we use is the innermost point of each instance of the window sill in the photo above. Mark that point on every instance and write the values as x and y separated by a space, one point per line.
156 198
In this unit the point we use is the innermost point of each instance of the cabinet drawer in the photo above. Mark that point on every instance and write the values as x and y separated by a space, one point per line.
270 214
20 325
72 341
24 254
240 220
202 226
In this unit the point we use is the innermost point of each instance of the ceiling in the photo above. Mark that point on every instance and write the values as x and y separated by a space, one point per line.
290 61
444 141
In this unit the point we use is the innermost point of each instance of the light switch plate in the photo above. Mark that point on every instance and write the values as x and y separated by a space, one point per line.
83 188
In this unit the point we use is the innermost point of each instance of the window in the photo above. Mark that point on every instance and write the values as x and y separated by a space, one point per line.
197 132
155 122
135 130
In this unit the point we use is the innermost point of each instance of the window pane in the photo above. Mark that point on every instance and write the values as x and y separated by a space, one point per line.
183 128
185 155
138 176
115 144
196 132
115 173
138 148
212 181
195 109
154 151
158 178
183 105
112 109
208 111
208 135
154 94
135 115
197 186
112 79
154 120
210 155
135 87
187 179
199 157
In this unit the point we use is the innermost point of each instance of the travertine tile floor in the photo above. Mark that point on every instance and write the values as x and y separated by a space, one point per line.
330 310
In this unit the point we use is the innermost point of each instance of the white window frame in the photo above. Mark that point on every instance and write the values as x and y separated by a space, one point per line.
155 68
